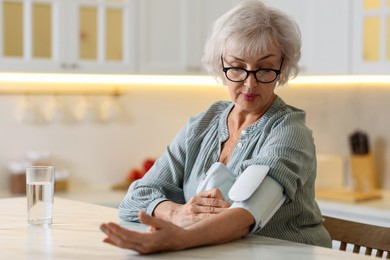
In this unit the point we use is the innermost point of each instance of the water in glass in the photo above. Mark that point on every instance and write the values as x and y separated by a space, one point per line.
40 202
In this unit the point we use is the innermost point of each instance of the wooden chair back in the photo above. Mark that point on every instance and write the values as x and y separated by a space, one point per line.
359 235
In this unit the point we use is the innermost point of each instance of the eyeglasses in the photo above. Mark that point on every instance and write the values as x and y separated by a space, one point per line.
262 75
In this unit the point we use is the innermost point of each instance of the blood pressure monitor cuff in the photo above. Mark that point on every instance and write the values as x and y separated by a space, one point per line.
253 190
263 203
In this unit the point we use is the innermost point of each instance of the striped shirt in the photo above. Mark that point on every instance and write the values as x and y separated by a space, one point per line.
279 139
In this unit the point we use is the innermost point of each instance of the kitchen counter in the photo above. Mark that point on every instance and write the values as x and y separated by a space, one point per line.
96 194
75 234
101 195
375 212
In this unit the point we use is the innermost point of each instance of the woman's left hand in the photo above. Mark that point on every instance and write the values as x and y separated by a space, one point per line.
163 236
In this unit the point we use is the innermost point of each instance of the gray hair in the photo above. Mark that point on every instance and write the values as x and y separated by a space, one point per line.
250 28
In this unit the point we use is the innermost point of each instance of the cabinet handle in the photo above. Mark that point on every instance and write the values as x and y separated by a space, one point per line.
194 69
69 66
74 66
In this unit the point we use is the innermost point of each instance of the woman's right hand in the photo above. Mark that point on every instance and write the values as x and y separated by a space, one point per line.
199 207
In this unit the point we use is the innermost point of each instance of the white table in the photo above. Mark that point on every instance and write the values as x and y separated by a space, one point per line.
376 212
75 234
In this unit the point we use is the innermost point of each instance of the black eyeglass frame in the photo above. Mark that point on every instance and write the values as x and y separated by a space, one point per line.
277 72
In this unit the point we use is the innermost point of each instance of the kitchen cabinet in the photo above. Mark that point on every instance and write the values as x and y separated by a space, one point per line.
342 37
371 37
173 33
167 37
324 26
67 36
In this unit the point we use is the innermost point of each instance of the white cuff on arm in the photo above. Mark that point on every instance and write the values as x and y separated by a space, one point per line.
263 203
253 190
258 193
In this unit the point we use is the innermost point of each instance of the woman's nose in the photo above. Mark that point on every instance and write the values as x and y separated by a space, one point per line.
251 80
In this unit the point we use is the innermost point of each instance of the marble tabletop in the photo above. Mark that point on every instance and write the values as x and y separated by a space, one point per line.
75 234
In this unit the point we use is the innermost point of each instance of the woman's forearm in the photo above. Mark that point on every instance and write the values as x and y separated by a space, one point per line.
227 226
198 208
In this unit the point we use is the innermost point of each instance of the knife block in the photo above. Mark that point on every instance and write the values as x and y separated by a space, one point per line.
363 173
364 178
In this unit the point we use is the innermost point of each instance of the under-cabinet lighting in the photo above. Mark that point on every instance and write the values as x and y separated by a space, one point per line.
37 83
342 80
41 83
106 79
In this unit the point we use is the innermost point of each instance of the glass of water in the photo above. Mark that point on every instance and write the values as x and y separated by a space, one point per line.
40 194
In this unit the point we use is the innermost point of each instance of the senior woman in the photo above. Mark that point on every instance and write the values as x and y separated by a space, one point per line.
251 49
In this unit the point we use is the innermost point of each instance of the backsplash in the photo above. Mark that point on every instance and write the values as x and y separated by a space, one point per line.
334 113
101 153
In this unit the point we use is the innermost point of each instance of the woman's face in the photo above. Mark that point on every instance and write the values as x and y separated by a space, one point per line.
250 95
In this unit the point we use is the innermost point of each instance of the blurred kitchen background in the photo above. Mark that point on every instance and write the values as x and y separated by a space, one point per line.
95 129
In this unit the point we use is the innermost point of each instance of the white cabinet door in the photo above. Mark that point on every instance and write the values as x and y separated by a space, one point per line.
162 36
324 26
173 33
299 11
100 37
206 13
87 36
327 46
27 30
371 37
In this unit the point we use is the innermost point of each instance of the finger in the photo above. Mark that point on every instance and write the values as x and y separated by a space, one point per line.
124 234
211 193
211 197
213 202
214 193
104 228
122 244
128 239
110 227
109 241
121 237
153 222
209 210
111 232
